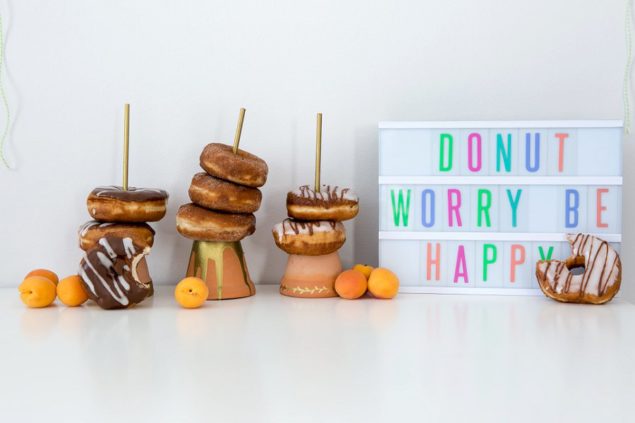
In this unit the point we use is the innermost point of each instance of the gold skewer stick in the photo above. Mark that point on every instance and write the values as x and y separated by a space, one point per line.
239 129
318 151
126 140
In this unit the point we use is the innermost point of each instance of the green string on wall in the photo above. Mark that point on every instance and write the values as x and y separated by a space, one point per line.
3 98
628 27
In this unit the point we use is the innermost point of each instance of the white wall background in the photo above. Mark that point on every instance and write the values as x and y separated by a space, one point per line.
187 66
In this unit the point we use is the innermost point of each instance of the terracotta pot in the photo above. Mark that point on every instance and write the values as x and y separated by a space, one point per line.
223 267
311 276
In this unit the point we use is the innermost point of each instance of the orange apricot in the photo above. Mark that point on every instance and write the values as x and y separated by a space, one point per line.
48 274
351 284
71 291
37 291
191 292
365 269
383 283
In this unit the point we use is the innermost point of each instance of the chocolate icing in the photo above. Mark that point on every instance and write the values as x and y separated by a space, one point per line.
327 197
132 194
115 273
83 230
298 226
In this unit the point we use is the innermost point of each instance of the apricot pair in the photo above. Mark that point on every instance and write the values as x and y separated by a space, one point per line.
40 287
353 283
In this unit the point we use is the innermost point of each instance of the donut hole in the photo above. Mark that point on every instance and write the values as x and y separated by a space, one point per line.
576 265
577 270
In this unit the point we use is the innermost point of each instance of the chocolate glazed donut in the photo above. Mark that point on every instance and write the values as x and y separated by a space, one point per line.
115 274
113 204
242 168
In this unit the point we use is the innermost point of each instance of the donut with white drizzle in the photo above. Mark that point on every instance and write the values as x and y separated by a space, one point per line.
600 280
92 231
330 203
115 274
313 238
114 204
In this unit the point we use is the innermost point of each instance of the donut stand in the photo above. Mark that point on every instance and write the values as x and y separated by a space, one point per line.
120 216
310 274
223 267
217 257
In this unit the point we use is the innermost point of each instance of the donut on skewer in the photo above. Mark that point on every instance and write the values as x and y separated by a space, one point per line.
331 203
216 194
314 238
114 204
91 232
200 224
241 168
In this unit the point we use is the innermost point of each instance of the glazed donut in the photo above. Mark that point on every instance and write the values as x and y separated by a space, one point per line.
91 232
216 194
200 224
331 203
309 238
600 280
113 204
115 274
242 168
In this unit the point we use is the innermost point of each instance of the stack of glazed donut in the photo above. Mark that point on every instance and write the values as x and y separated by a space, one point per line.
224 197
314 225
116 242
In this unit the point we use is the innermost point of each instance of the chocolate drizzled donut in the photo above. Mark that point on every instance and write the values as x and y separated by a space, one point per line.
115 273
600 280
91 232
314 238
330 203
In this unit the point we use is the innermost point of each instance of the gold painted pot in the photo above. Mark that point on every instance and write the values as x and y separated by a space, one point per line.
223 267
311 276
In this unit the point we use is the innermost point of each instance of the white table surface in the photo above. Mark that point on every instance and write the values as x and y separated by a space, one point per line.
276 359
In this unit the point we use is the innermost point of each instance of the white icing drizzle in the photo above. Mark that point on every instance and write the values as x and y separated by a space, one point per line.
121 299
327 192
104 243
602 265
125 285
87 281
108 264
129 247
83 230
289 227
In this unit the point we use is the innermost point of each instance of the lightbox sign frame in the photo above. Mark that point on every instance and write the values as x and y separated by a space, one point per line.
469 207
